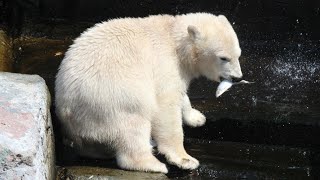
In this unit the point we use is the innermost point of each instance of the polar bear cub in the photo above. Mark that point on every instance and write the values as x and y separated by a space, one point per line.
125 81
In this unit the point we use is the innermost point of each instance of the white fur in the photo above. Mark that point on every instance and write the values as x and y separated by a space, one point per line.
125 81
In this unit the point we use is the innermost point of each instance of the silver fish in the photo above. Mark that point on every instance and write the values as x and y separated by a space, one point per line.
226 84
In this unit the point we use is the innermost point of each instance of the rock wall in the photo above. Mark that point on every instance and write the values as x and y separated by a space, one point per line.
6 60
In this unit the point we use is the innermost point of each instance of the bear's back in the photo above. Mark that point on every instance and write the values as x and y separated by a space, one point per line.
118 43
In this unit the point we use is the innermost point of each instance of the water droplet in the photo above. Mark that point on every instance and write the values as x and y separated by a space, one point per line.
254 100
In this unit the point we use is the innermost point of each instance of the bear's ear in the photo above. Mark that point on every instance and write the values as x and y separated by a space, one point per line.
193 32
223 19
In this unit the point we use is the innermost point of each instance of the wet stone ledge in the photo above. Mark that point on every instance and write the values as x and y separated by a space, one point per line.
84 173
26 135
218 160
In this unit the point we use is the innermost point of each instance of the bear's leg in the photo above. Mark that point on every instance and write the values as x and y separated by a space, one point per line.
168 133
133 149
191 116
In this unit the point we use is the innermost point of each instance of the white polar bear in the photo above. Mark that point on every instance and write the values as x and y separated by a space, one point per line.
125 81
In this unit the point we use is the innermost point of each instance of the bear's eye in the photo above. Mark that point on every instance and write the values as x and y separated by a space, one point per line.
225 59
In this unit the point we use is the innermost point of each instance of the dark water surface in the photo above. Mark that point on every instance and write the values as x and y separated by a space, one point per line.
219 160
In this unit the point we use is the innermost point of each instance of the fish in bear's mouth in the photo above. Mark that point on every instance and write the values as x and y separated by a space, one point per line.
226 84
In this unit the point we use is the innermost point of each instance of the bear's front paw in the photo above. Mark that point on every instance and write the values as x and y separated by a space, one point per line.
194 118
188 162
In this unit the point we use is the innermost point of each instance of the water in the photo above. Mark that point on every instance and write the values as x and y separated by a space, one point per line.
219 160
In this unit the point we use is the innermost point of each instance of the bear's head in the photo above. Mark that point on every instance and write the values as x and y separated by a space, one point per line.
216 48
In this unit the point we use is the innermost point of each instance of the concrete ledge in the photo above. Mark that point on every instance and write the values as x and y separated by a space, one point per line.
26 136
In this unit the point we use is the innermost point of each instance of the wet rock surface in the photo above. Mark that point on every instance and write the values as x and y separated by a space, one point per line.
218 160
85 172
26 135
40 56
6 60
258 20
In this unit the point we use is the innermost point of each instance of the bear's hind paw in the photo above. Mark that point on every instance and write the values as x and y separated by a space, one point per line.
144 163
